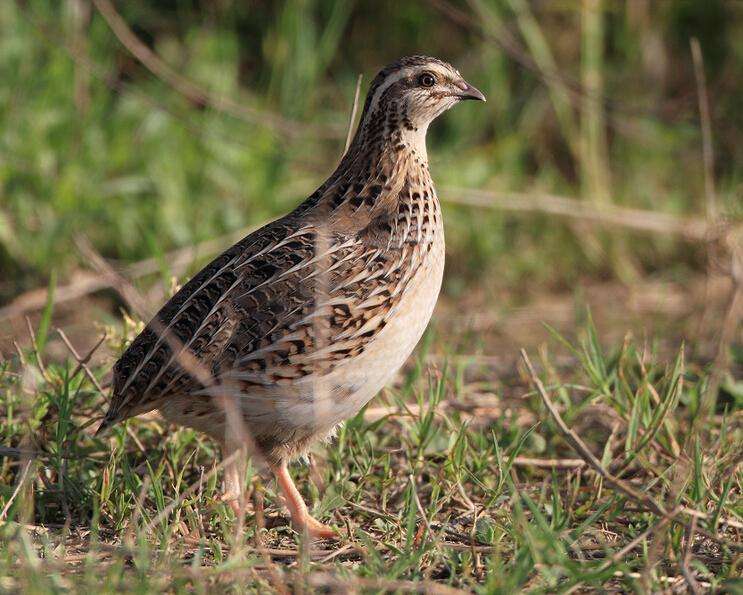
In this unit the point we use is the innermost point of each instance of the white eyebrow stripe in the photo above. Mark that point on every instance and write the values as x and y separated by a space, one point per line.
440 70
388 82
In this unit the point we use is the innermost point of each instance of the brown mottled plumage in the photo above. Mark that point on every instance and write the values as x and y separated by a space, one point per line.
303 321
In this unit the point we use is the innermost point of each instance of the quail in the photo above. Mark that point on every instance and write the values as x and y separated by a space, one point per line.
297 326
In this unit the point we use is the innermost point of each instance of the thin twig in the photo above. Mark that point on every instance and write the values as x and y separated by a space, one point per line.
16 491
730 324
419 506
349 134
577 443
88 282
35 347
187 87
580 447
82 62
549 463
708 160
82 362
609 214
620 555
135 438
708 155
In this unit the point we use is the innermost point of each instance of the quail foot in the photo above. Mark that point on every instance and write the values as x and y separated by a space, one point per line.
297 326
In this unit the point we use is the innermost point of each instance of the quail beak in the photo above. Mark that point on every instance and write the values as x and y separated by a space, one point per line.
466 91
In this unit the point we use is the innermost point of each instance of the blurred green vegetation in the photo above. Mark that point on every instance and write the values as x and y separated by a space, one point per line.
598 105
242 113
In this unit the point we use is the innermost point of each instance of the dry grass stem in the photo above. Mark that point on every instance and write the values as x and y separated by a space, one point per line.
354 109
608 215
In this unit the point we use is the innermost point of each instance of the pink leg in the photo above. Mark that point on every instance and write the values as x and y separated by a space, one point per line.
301 518
234 471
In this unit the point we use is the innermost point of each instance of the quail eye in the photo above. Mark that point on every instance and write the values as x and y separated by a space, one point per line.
427 80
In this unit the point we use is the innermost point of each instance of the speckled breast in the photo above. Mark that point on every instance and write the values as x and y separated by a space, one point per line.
342 393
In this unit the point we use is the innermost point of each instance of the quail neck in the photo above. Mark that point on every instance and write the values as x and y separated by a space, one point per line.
297 326
390 142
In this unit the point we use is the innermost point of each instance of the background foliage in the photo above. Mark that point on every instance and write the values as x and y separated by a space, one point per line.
140 128
93 142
